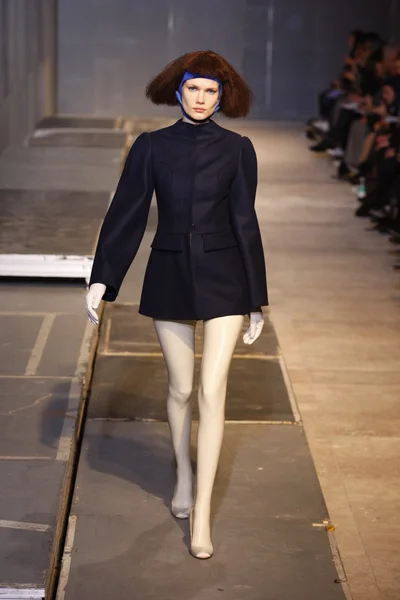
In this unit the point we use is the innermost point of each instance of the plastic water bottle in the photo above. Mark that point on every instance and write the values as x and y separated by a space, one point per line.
361 192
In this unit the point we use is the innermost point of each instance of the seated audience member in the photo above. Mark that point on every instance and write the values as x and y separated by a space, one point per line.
393 78
328 97
382 167
363 81
357 144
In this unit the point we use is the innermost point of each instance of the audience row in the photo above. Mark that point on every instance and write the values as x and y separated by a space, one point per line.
359 126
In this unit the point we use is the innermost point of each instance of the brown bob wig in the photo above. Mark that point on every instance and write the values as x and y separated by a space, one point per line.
236 95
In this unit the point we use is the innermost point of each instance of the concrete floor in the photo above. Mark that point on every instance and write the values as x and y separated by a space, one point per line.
268 516
44 348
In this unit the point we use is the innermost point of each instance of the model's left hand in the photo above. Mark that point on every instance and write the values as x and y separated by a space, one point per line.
255 328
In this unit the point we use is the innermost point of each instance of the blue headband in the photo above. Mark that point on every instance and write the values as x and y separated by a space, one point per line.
187 75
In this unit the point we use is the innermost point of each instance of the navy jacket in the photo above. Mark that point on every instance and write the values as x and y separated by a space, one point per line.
207 257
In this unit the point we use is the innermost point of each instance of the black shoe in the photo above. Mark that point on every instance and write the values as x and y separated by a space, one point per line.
362 211
343 171
322 146
311 135
383 225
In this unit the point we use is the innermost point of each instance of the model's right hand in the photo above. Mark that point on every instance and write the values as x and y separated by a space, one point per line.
93 299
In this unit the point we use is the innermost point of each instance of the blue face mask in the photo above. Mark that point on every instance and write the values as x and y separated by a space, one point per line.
187 76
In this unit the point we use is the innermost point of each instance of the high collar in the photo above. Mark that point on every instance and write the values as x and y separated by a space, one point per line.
193 130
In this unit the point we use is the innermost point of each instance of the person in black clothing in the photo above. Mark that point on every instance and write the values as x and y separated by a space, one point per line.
362 79
394 79
207 259
337 88
384 163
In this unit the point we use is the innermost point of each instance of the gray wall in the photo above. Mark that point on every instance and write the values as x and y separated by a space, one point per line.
287 49
27 58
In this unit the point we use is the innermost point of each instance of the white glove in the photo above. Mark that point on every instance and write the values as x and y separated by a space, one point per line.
255 328
93 299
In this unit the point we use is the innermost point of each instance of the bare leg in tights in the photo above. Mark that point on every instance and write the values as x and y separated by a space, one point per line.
177 343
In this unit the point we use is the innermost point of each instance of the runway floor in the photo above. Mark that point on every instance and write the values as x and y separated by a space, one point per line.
51 201
305 504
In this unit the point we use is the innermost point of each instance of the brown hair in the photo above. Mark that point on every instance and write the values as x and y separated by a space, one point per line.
236 94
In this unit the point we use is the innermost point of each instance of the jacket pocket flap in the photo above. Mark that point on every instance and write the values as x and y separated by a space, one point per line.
168 241
218 241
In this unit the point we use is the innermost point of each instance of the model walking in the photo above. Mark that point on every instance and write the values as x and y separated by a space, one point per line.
207 260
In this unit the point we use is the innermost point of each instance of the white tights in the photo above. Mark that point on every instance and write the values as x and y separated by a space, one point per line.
177 344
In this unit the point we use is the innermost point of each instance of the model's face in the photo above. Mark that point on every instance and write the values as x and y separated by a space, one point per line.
200 97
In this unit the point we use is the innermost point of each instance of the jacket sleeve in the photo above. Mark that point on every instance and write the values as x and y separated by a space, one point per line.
126 219
245 224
